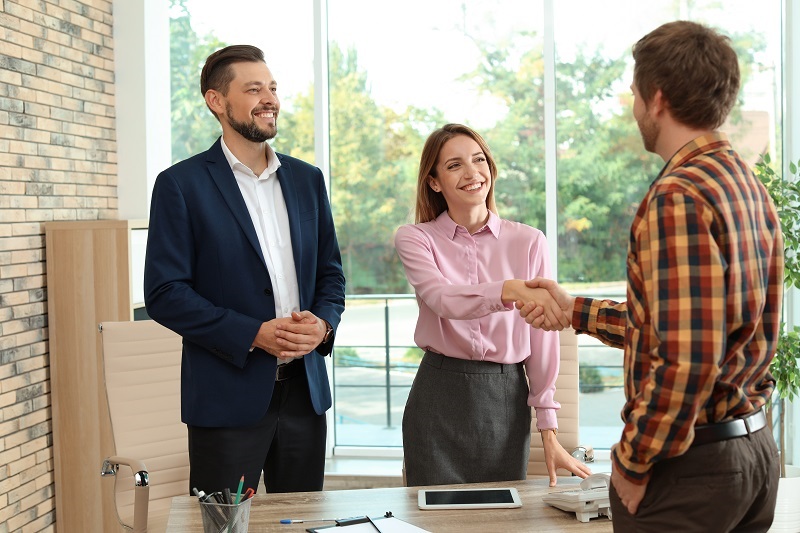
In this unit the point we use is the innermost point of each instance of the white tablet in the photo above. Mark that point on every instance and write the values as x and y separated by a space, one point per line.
468 498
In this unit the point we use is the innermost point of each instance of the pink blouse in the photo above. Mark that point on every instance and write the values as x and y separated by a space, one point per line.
458 279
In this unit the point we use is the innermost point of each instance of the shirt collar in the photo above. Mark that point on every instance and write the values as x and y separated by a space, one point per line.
449 227
273 163
712 142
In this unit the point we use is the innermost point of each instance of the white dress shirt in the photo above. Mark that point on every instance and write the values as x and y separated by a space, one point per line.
267 208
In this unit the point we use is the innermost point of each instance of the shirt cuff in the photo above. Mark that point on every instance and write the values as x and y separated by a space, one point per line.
582 317
637 474
546 418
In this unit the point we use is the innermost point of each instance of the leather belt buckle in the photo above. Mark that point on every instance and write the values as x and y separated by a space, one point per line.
731 429
755 422
288 370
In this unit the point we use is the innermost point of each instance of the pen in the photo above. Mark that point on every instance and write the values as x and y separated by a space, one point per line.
339 521
301 521
215 513
202 496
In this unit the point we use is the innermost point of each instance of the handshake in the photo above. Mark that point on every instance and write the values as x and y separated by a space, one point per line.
541 302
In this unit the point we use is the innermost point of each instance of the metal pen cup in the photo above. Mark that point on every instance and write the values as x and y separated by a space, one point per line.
225 518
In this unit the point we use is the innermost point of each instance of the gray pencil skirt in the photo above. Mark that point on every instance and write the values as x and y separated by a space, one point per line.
466 422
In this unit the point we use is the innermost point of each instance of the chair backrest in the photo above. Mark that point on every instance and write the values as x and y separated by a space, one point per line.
142 365
568 416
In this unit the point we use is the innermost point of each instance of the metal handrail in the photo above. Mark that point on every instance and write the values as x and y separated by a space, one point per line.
387 347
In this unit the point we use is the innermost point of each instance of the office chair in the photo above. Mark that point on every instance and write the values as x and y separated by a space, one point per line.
141 365
567 390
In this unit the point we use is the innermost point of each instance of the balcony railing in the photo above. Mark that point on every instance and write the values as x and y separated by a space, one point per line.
375 361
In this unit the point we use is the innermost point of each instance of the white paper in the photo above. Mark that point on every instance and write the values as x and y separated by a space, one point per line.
386 525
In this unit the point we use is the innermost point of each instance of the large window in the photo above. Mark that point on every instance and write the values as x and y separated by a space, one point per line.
391 85
398 71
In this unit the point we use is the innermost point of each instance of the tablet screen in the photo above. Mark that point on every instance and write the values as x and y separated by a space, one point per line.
468 498
451 497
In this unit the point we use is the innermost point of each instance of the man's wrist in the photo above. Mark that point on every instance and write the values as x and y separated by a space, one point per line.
328 336
570 311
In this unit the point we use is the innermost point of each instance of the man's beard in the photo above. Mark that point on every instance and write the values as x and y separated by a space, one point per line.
650 131
249 130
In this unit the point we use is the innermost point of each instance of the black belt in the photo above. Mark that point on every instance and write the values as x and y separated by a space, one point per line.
738 427
467 366
290 370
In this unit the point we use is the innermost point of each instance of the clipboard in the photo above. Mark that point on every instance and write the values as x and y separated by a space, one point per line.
378 525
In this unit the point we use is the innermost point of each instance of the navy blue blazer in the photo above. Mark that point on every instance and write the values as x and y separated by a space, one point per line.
206 279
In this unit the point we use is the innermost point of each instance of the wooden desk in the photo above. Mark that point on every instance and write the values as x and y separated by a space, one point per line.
268 509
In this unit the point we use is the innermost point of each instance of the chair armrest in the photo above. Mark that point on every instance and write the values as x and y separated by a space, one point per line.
141 490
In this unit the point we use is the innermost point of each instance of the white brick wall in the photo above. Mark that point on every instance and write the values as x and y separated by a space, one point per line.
58 161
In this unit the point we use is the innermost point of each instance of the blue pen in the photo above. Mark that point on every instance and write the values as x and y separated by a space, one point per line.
339 521
301 521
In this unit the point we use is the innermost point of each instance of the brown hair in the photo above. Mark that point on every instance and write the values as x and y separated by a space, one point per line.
217 73
694 66
431 204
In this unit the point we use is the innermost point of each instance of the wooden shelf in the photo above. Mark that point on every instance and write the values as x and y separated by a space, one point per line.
89 280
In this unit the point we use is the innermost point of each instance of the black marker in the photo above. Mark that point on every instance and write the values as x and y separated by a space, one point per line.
202 496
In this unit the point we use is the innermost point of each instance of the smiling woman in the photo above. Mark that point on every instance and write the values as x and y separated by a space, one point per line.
459 173
467 418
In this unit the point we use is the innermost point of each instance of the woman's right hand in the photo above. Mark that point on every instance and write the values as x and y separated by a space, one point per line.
539 316
539 301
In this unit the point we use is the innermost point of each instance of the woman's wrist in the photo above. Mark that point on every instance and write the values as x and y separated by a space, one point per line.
548 434
511 290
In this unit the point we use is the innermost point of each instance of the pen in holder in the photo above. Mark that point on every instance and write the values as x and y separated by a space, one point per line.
225 518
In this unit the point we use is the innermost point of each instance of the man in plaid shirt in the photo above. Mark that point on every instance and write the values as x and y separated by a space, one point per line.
700 325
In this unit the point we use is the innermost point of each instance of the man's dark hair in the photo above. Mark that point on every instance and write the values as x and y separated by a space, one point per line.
694 66
217 73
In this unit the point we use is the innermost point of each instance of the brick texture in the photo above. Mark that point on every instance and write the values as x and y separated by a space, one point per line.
58 161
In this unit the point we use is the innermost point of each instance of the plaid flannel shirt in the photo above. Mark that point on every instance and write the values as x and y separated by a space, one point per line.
705 287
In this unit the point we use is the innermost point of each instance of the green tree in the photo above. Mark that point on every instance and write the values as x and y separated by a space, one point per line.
375 152
413 355
513 72
194 128
590 379
603 170
374 157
